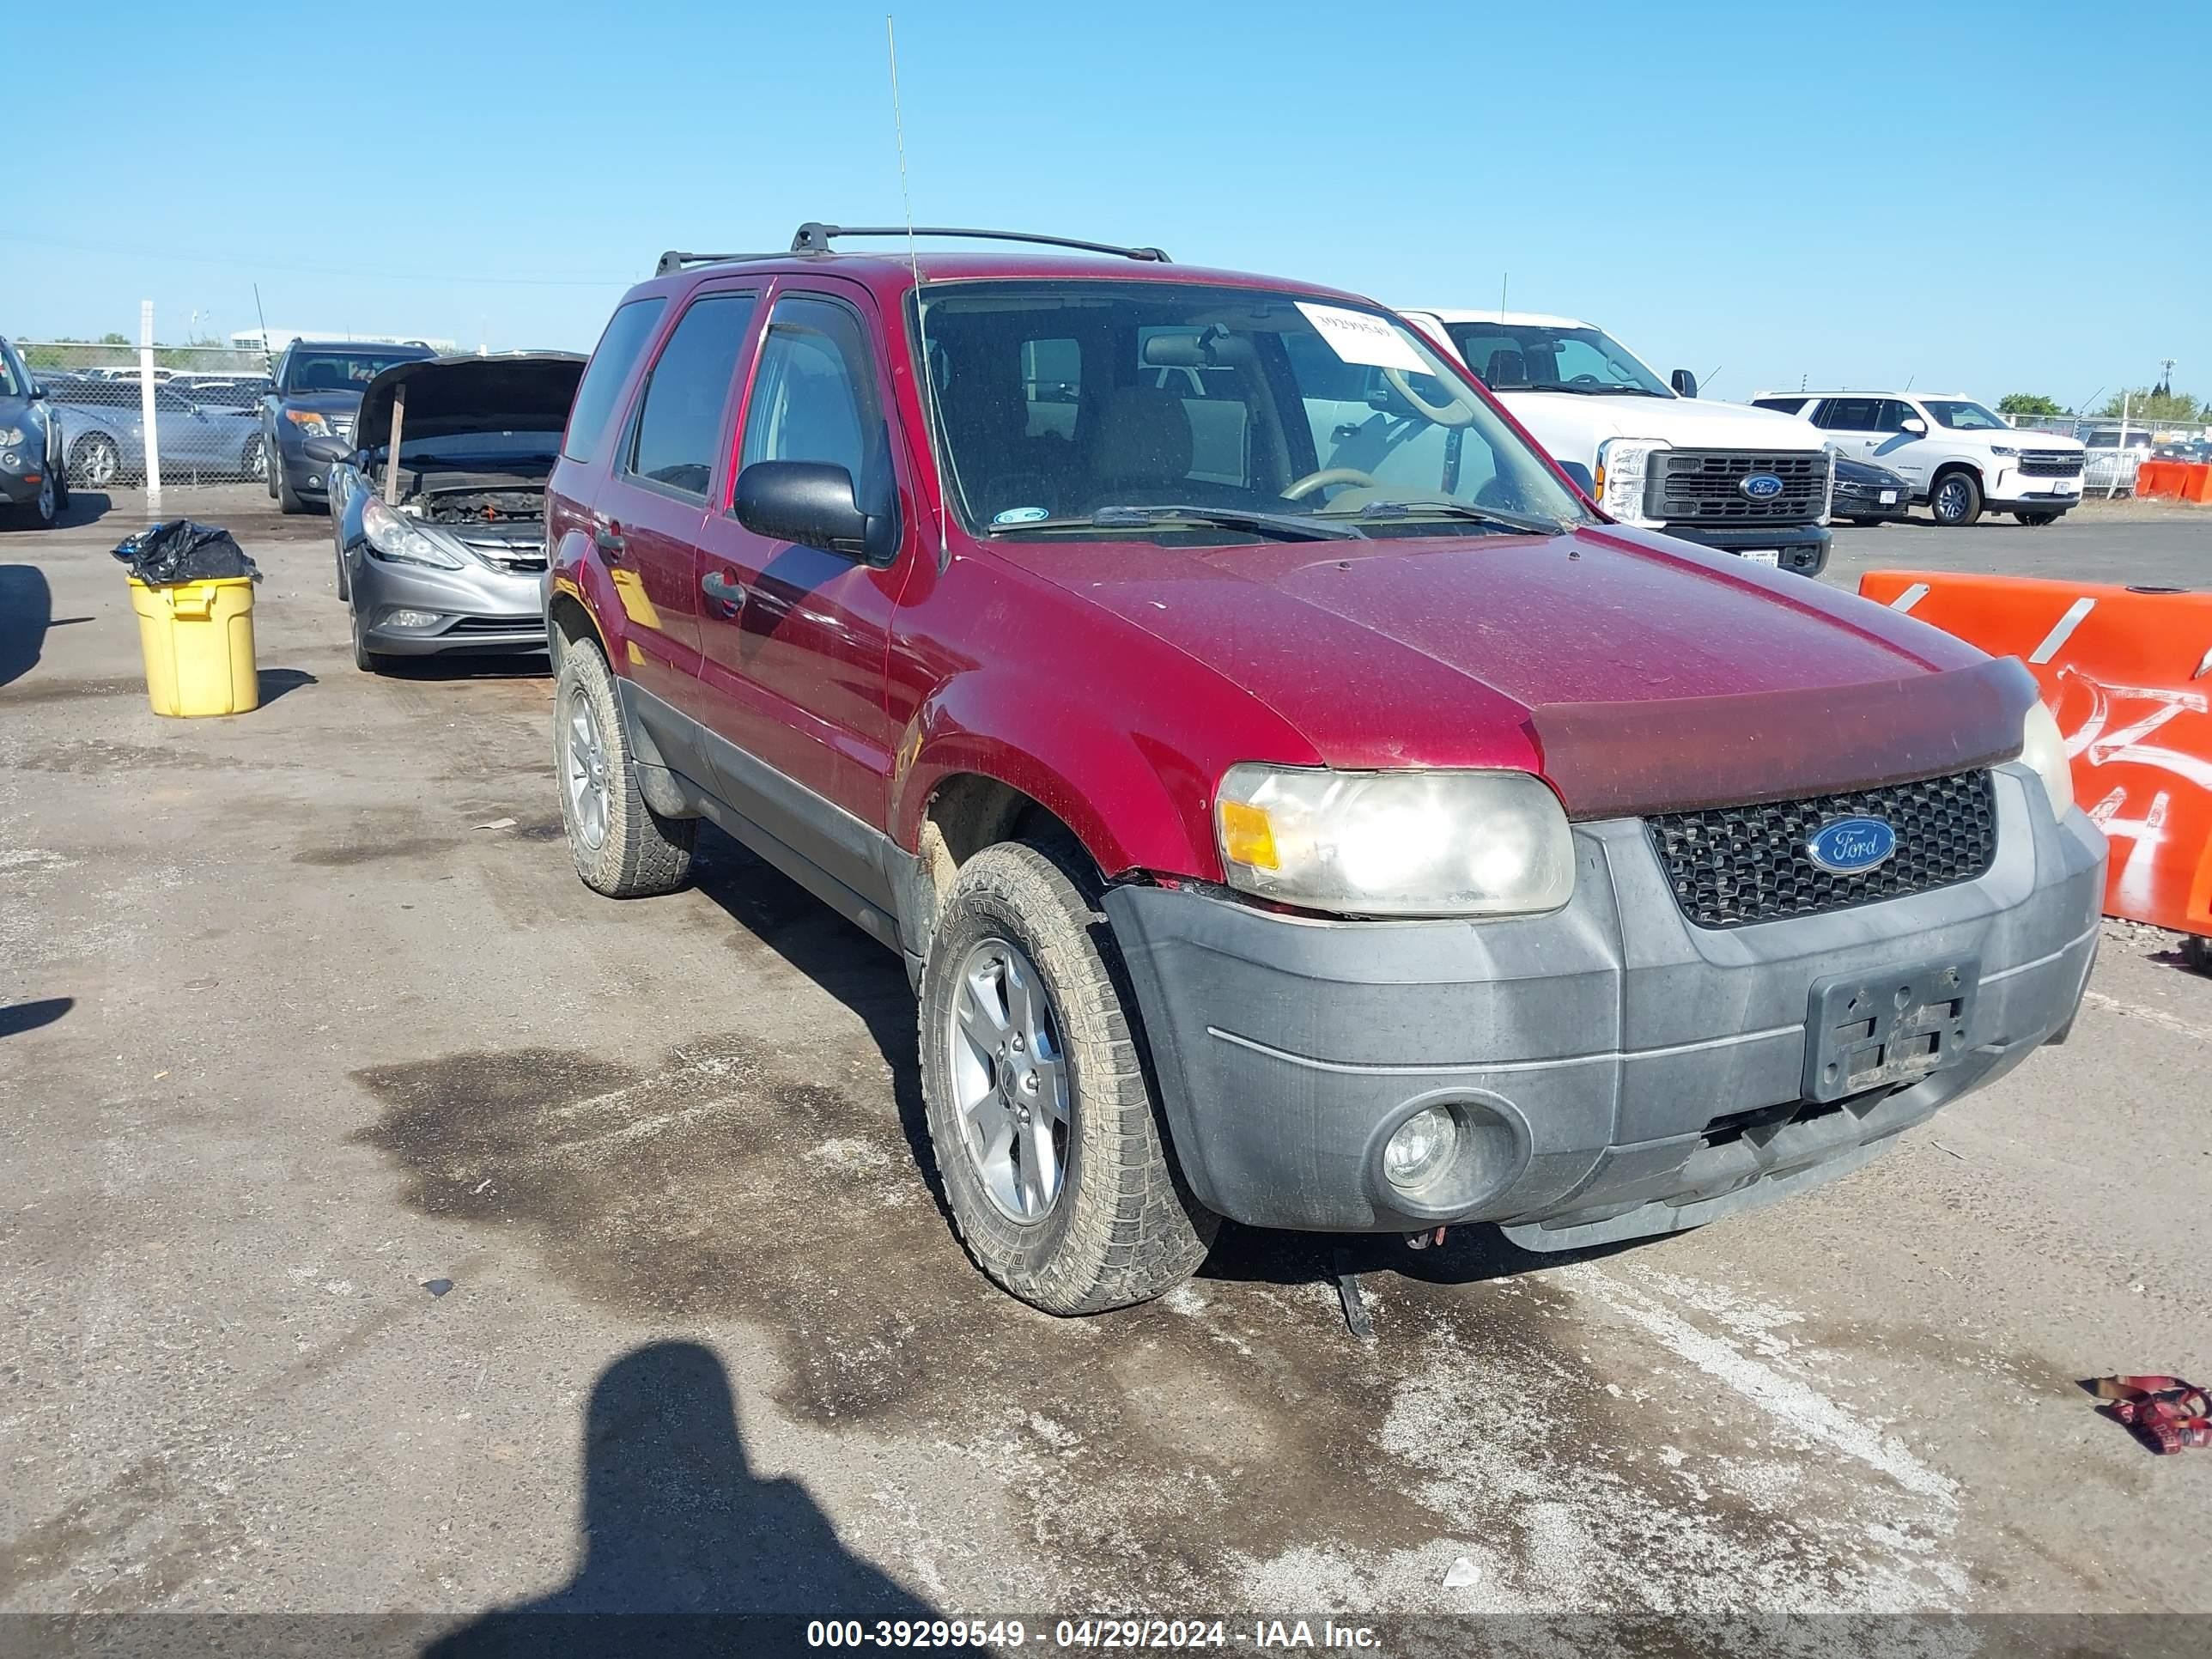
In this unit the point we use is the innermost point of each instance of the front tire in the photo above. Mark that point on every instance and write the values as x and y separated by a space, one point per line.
345 583
1866 524
253 462
369 661
42 509
269 468
1956 500
622 846
1058 1176
288 499
95 461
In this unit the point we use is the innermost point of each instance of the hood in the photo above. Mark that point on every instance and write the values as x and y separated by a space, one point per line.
322 402
1866 474
1572 426
449 397
1636 673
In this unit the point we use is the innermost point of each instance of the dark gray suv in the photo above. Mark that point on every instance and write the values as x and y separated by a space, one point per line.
33 483
317 393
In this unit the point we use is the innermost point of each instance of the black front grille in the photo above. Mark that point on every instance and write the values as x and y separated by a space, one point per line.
493 625
2050 462
1732 866
1701 486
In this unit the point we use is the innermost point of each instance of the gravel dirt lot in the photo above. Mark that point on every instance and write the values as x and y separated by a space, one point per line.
288 1030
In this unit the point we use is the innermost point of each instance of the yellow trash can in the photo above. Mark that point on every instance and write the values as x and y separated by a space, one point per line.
199 640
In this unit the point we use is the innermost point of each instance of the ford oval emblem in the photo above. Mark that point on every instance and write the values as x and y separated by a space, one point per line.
1852 847
1761 486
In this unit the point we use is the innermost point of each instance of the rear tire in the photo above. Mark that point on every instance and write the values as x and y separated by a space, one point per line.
1956 500
622 846
1121 1225
1866 524
345 586
2196 952
2036 520
269 468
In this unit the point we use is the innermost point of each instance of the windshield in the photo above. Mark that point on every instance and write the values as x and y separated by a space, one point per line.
1541 357
342 371
1963 416
1258 413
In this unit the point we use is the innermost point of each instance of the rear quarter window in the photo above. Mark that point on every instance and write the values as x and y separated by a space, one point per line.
619 349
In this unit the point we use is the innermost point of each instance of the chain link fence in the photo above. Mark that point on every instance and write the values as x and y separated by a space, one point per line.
2117 448
206 410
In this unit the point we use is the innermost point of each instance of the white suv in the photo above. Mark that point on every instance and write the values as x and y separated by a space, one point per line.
1960 456
1745 481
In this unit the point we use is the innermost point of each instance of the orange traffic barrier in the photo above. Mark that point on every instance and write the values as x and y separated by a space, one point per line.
2196 481
2128 673
2159 481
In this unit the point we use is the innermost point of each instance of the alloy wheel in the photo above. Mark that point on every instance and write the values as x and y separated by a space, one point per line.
1951 501
585 763
96 462
1009 1080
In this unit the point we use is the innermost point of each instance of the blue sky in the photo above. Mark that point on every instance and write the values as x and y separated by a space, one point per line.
1968 195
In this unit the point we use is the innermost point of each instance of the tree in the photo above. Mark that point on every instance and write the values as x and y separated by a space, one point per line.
2027 402
2144 403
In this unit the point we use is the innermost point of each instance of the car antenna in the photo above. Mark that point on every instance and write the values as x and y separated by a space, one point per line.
262 316
914 265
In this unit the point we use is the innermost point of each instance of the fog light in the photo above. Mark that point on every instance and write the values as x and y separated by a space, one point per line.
410 618
11 460
1421 1147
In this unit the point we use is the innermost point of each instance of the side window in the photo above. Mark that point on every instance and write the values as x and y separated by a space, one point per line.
681 414
1895 414
814 394
1850 414
1781 405
628 329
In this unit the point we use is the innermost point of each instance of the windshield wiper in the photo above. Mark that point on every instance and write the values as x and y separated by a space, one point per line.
1278 526
1534 523
1586 391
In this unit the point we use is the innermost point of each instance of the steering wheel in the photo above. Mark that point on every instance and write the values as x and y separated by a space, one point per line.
1326 477
1584 379
1458 412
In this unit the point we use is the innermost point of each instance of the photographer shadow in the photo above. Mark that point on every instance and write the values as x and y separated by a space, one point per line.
684 1547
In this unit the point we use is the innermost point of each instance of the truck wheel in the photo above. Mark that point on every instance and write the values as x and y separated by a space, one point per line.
1956 500
623 847
2197 951
1057 1172
270 467
288 499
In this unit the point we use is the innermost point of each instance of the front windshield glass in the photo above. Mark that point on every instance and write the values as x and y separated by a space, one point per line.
1260 413
1539 357
342 371
1966 417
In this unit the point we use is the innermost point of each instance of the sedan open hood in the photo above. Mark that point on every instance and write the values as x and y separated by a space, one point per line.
448 397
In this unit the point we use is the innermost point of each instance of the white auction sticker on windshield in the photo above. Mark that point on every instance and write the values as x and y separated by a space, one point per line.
1359 338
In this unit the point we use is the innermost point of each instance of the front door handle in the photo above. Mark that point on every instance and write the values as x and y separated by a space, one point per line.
723 590
609 540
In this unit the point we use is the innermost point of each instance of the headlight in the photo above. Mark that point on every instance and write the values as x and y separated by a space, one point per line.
10 436
2043 747
308 422
1623 463
1395 843
394 538
2002 449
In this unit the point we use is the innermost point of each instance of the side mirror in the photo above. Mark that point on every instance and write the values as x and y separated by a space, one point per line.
1915 425
38 389
1580 476
329 451
1684 382
814 504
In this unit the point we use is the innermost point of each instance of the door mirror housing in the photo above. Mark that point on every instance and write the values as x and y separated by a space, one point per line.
38 390
1684 382
1915 425
1580 476
815 504
329 451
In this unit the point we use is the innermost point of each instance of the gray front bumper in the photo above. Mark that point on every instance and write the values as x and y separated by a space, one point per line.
1598 1051
478 607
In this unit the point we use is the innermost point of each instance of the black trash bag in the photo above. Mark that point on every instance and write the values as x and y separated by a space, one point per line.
181 550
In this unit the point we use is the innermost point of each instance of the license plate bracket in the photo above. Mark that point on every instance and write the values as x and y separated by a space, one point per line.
1868 1030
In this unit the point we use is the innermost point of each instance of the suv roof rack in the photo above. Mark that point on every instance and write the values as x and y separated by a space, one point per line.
815 238
675 260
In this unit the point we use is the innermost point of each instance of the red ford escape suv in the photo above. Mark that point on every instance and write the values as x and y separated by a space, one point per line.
1266 840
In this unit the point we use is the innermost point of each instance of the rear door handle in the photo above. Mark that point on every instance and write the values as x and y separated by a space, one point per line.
723 590
609 540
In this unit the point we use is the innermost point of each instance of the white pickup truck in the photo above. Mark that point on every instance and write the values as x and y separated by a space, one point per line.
1746 481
